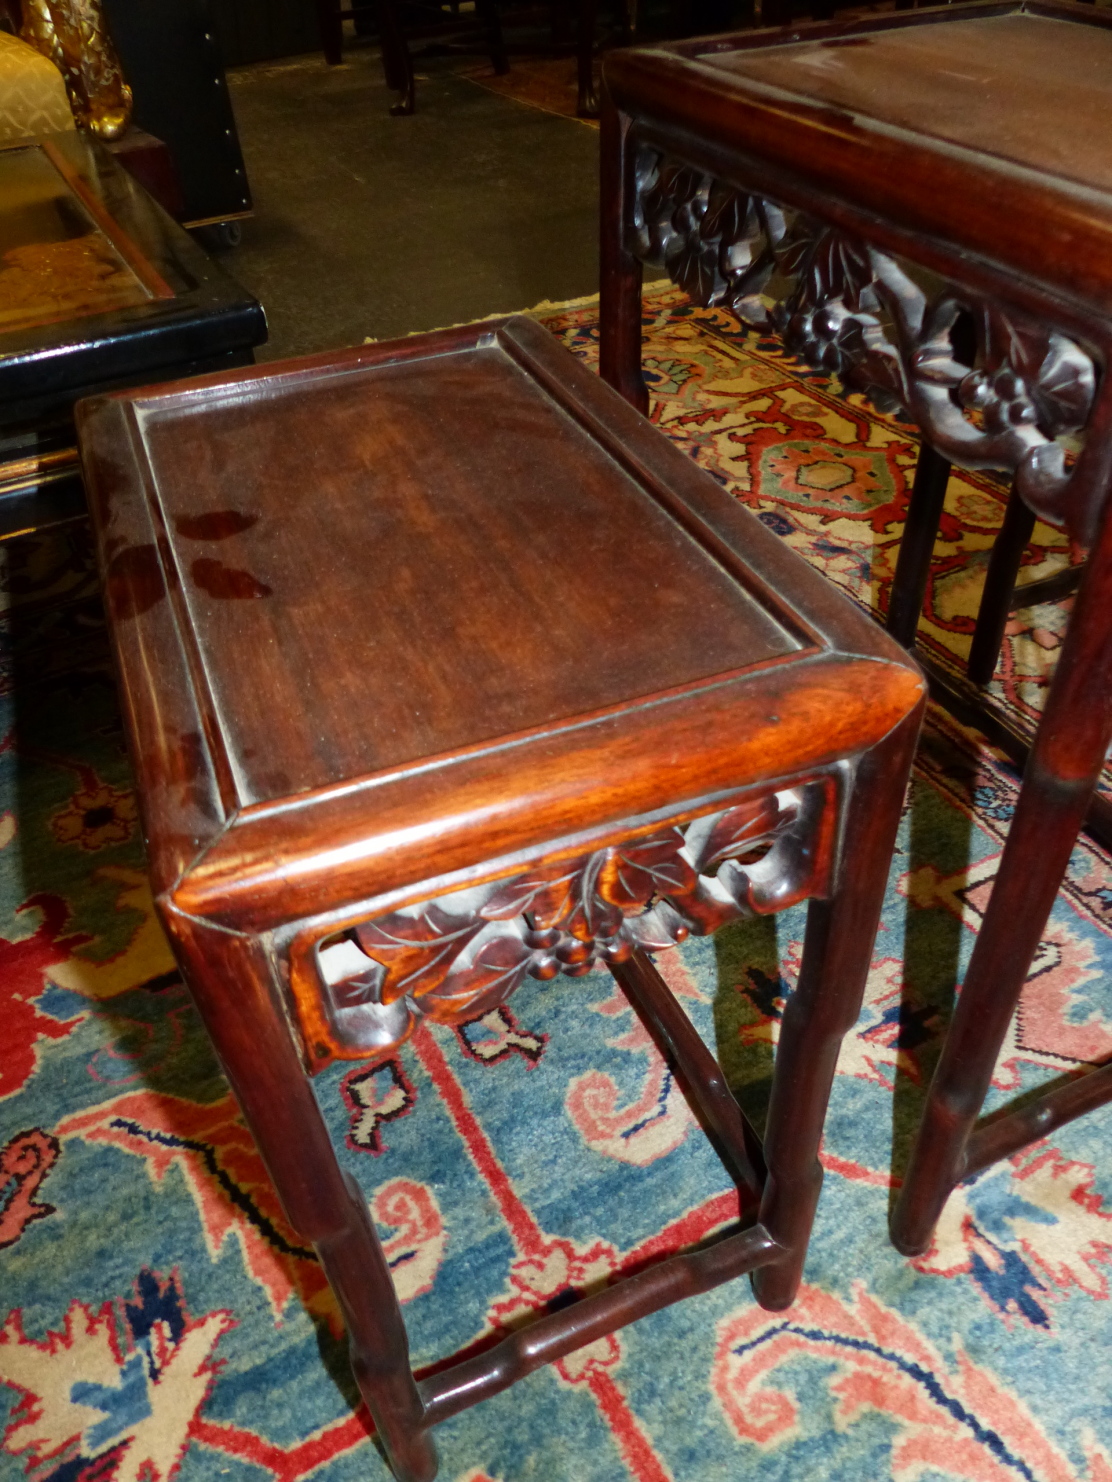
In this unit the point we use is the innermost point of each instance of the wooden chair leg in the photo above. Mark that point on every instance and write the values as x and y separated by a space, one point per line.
1003 568
587 103
232 983
397 63
837 954
331 31
619 271
924 512
491 17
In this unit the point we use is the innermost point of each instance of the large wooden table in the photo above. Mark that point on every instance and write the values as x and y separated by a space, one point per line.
441 668
922 203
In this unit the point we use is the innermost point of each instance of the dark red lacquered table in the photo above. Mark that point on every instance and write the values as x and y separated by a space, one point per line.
922 203
441 668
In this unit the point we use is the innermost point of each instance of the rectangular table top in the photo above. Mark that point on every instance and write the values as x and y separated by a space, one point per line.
1029 88
349 591
980 124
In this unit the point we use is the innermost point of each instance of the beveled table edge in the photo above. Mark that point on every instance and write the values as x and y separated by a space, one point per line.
258 866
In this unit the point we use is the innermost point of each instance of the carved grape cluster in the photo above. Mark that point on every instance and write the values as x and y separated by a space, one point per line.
455 957
882 328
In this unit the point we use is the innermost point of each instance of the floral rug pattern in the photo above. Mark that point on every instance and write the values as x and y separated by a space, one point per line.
158 1318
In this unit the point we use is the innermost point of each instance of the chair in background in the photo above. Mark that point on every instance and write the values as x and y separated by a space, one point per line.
388 19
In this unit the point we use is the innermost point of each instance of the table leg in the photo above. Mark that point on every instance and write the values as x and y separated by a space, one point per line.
331 31
232 984
587 102
1003 568
924 511
837 955
620 271
489 14
1058 783
397 64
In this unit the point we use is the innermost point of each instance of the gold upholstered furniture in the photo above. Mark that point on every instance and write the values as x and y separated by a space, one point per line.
32 93
66 40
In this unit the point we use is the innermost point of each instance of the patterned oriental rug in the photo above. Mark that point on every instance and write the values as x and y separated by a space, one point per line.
159 1319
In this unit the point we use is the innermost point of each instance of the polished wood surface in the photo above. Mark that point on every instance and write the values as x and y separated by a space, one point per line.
921 203
442 668
494 589
959 83
925 171
470 620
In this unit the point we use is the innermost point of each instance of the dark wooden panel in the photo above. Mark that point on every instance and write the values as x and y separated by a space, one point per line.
172 61
962 81
261 30
534 549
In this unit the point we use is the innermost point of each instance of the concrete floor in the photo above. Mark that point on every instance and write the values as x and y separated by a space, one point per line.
368 225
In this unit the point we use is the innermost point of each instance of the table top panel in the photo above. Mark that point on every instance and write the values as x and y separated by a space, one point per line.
408 559
1035 90
391 612
969 138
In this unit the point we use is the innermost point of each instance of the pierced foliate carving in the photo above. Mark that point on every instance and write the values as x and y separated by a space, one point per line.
455 957
884 328
717 243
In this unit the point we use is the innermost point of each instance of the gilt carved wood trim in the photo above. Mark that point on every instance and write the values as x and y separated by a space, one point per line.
458 955
1019 403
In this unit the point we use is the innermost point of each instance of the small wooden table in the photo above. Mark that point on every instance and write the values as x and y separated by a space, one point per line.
98 288
922 203
442 667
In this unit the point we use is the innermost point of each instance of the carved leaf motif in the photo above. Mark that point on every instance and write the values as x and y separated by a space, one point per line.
1009 341
631 876
882 327
828 266
737 830
494 972
656 929
694 268
416 951
726 214
593 916
1065 388
548 894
